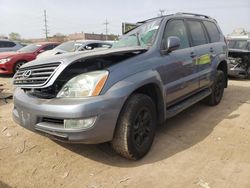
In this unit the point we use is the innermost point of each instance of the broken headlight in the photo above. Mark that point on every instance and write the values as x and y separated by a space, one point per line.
84 85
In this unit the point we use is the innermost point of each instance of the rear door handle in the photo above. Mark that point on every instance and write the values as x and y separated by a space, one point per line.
193 55
211 50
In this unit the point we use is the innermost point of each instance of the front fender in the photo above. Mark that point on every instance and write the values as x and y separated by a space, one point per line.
124 88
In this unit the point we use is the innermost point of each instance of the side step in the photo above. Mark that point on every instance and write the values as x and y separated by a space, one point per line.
177 108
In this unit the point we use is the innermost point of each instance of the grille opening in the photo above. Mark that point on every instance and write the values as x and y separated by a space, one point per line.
52 120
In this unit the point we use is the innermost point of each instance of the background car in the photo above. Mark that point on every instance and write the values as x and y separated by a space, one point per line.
239 58
10 62
78 45
7 45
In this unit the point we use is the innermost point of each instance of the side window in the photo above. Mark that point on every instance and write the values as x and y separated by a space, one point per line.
177 28
48 47
197 32
91 46
104 45
213 31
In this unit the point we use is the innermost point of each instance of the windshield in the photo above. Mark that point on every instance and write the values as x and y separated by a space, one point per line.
143 35
30 48
238 44
70 46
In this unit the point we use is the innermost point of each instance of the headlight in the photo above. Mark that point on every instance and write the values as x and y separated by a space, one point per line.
84 85
5 60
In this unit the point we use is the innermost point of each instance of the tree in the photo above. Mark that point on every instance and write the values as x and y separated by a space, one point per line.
15 36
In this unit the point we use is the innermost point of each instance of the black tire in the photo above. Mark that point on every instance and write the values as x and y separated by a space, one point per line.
217 89
248 73
135 128
18 65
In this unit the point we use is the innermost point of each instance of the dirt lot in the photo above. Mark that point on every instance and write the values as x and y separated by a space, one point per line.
201 147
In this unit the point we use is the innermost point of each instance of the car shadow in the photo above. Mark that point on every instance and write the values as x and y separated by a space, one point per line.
176 135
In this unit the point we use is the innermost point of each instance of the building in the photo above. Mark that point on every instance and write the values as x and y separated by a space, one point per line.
77 36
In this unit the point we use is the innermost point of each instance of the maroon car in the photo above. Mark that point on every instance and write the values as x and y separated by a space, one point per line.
10 62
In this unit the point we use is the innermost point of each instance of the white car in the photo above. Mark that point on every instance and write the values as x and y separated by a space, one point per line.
78 45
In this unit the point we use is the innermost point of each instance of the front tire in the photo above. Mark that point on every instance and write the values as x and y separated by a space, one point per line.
135 128
18 65
217 89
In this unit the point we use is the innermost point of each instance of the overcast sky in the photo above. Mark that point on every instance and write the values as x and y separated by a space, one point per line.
69 16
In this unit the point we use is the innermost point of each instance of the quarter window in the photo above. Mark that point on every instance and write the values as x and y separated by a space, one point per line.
213 31
197 32
177 28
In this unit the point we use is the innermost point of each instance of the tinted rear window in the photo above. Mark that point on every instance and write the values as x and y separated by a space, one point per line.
197 32
213 31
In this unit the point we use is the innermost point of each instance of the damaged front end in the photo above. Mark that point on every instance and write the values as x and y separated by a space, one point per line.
239 63
46 80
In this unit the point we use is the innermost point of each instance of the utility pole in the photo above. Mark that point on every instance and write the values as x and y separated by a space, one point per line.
46 25
161 12
106 25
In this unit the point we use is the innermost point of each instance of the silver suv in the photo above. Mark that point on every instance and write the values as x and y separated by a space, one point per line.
121 94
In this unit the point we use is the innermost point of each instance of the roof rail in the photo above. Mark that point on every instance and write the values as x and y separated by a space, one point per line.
192 14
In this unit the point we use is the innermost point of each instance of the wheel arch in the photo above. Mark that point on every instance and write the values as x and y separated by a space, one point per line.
223 67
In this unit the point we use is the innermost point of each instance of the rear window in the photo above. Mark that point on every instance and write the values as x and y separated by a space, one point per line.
213 31
197 33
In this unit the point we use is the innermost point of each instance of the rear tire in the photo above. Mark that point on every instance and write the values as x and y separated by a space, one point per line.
217 89
18 65
135 128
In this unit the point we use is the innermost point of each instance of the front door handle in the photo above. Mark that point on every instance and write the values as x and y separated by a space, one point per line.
193 55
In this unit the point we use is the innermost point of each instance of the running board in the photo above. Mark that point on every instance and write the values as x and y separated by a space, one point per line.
177 108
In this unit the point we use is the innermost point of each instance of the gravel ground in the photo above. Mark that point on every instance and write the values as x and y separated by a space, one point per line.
201 147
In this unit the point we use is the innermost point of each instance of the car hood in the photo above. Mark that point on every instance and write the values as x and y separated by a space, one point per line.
68 58
10 54
50 52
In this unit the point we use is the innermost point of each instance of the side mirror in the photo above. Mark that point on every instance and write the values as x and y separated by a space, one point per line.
41 51
170 44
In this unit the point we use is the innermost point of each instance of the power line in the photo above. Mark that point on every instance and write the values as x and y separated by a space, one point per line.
106 29
46 25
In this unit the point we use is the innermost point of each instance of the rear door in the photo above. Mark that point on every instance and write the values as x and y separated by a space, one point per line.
179 68
203 49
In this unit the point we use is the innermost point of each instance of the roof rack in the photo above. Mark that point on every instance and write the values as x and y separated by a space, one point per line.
192 14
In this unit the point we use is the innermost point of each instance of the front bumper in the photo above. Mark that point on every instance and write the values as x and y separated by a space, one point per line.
6 68
31 112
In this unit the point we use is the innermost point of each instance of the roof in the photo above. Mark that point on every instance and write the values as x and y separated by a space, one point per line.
44 43
179 14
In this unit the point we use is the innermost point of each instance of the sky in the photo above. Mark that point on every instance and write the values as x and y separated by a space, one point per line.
69 16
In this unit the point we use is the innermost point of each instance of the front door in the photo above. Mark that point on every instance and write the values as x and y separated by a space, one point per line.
179 66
